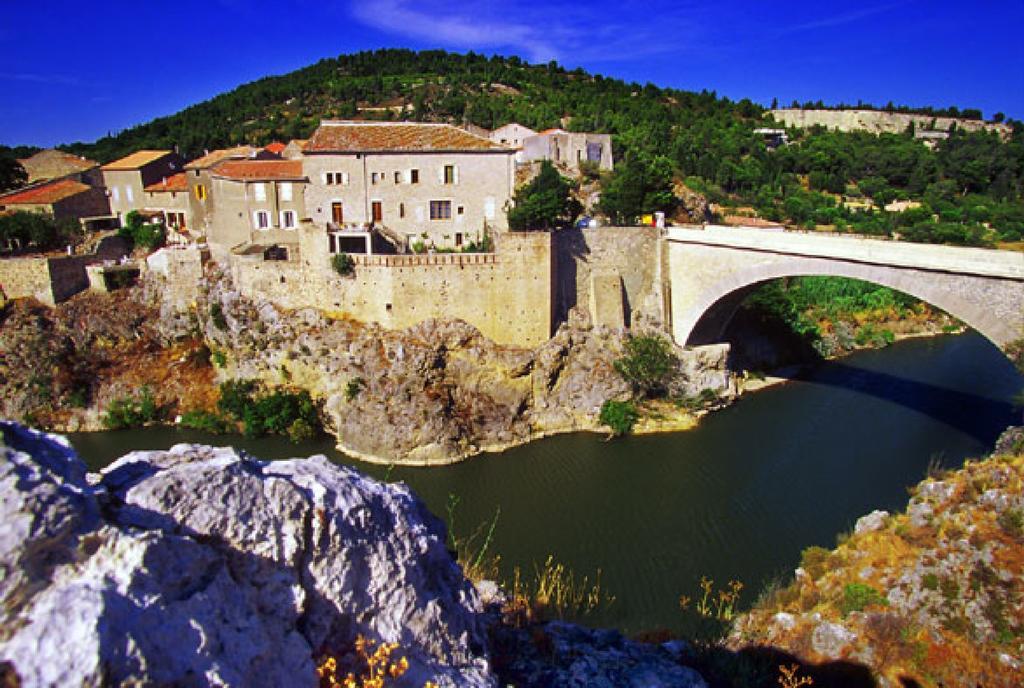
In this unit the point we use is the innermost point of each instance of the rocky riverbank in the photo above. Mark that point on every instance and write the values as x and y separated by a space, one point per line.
202 566
931 597
432 394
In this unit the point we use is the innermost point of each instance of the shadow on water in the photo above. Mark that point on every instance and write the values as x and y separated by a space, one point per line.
979 417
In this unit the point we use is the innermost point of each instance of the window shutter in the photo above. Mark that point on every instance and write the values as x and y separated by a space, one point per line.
344 178
440 175
323 175
455 174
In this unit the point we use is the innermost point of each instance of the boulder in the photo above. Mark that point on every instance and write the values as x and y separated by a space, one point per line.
202 566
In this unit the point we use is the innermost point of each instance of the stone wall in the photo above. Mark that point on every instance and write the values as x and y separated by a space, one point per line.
506 295
880 122
49 280
599 255
182 270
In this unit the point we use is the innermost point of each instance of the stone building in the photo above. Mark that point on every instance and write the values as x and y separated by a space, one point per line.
569 149
293 151
60 198
419 185
260 203
52 164
169 200
197 174
126 179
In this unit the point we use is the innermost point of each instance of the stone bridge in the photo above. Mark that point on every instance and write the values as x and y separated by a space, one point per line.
710 271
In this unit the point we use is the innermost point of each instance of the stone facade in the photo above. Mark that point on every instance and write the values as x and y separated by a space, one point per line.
626 258
126 179
569 149
507 295
48 280
379 189
878 122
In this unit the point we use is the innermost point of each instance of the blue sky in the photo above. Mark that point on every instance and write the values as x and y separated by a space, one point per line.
78 70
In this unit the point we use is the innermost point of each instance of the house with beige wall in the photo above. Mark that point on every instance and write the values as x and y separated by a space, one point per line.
197 175
259 202
169 201
569 149
418 184
126 179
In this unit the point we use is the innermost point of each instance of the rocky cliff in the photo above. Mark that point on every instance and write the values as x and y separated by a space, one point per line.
930 597
434 393
200 566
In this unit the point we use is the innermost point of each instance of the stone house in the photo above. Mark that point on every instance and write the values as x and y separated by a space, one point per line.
293 151
512 134
126 179
61 198
197 173
420 185
260 203
569 149
169 200
52 164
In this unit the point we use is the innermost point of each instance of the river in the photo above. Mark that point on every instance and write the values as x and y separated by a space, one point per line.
737 498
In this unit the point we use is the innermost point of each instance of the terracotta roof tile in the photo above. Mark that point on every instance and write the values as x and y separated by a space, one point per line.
243 170
176 182
45 193
338 137
136 160
276 147
214 157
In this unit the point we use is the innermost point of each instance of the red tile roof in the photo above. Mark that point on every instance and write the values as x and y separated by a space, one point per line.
176 182
214 157
355 137
244 170
556 130
136 160
276 147
45 194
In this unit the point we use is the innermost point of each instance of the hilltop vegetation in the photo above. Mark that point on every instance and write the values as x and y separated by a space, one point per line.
970 187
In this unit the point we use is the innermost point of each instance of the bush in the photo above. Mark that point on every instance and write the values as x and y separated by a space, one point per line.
147 236
343 264
858 596
280 412
131 412
619 416
648 364
205 421
217 316
354 387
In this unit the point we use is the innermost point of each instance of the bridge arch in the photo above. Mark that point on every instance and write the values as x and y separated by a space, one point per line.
705 317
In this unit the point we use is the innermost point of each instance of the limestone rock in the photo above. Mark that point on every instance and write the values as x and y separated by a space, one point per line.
201 566
876 520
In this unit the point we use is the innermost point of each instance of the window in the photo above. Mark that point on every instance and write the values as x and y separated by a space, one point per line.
377 211
373 177
449 174
440 210
200 192
288 219
261 219
401 210
414 176
286 191
460 210
398 177
259 191
128 194
328 178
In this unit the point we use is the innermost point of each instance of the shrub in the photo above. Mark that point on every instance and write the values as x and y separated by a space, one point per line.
648 364
619 416
858 596
814 560
206 421
343 264
131 412
280 412
354 387
217 316
1012 521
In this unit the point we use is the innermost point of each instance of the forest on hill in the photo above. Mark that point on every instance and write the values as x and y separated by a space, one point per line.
968 190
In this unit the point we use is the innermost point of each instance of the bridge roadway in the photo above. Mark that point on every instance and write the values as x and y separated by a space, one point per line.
711 270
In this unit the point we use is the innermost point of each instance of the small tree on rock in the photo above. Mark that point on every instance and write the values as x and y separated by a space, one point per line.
648 365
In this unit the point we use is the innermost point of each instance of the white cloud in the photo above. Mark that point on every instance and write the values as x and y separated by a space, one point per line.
564 32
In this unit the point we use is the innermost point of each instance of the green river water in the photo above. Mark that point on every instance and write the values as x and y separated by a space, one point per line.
737 498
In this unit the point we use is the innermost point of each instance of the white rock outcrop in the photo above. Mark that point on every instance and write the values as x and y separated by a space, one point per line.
199 566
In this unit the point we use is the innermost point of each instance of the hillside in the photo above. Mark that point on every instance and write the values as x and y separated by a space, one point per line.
967 189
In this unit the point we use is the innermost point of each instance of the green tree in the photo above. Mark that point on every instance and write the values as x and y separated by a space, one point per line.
12 174
636 188
546 202
648 364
